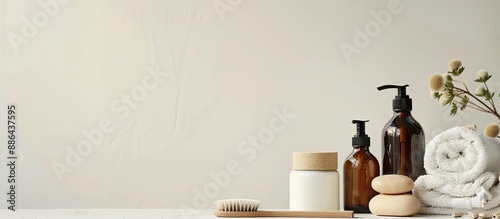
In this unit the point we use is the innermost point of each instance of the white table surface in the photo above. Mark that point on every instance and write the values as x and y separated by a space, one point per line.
136 213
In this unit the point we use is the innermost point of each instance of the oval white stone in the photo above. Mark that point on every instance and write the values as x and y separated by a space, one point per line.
392 184
394 205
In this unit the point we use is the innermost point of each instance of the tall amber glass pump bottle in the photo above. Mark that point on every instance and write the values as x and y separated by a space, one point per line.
403 139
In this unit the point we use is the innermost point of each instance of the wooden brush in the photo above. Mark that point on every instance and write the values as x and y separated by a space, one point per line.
248 208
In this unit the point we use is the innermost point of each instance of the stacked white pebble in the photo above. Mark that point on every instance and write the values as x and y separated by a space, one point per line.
394 198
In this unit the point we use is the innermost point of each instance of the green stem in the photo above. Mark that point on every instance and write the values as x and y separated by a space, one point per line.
491 99
473 105
458 94
470 102
494 112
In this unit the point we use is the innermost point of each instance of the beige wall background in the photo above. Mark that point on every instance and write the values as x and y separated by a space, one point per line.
176 104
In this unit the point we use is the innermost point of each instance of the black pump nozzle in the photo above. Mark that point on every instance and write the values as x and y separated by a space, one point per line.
401 89
401 102
361 138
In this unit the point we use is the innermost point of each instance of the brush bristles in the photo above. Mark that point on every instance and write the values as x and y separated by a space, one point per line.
237 205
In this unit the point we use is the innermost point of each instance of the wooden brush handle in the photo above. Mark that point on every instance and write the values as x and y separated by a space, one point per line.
323 214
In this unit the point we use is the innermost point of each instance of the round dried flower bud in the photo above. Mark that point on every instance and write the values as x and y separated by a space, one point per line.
442 101
447 77
444 98
433 94
491 130
454 65
481 74
436 82
479 90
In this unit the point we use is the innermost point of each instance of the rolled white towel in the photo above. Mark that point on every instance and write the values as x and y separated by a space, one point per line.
436 192
461 155
438 203
440 184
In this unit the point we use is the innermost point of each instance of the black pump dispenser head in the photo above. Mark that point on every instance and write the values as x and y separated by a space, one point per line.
361 139
401 102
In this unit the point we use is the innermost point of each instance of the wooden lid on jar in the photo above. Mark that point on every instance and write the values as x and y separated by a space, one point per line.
322 161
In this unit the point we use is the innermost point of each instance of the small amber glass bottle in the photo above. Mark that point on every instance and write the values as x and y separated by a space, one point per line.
360 168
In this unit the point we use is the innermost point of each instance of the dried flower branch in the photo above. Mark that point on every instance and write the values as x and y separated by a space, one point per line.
444 88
